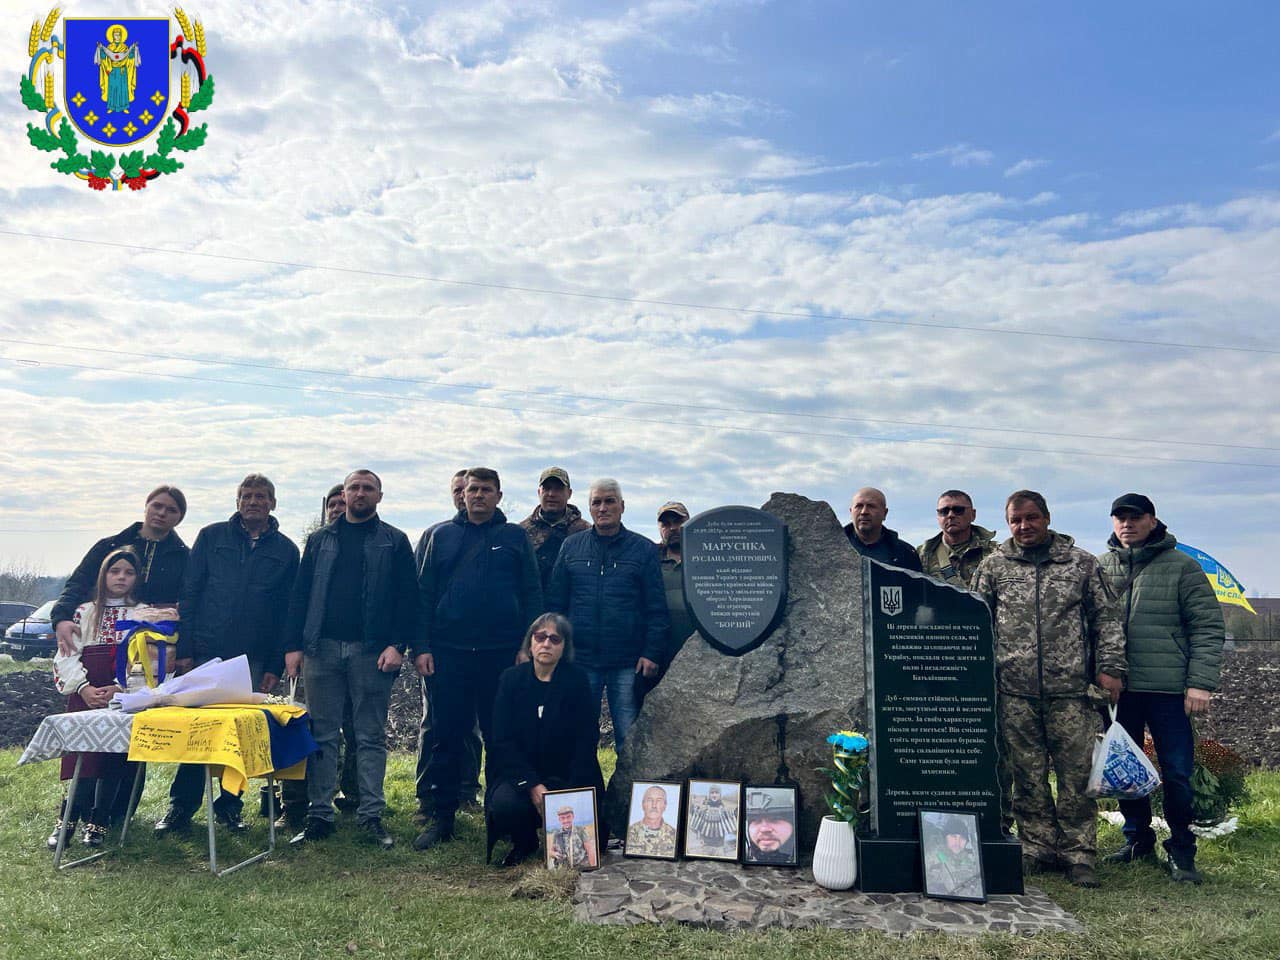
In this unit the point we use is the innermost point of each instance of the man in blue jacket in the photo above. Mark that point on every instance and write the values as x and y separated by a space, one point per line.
235 596
480 590
353 612
608 581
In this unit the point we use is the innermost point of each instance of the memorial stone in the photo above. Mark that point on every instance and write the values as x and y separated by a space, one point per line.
931 723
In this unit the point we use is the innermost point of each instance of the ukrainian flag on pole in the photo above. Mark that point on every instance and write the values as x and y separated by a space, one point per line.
1227 588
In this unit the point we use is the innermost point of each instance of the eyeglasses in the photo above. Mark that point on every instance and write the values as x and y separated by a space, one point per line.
956 509
545 636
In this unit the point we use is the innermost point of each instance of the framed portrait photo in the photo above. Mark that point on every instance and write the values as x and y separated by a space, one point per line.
769 833
711 819
573 831
653 819
951 856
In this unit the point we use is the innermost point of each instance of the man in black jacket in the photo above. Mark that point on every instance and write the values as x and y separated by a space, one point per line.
354 608
871 538
608 582
235 595
479 591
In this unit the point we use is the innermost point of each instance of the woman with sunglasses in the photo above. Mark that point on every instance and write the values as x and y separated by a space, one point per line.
545 729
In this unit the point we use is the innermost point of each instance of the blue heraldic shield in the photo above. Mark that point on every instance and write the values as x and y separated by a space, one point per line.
116 77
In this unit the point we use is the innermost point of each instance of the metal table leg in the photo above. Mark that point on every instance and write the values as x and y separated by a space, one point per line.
213 842
134 794
66 823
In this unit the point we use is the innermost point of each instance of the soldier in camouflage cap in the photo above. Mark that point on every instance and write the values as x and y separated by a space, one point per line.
954 554
552 520
1057 634
569 844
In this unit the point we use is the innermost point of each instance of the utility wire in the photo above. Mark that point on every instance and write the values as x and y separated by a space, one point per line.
713 427
641 301
559 395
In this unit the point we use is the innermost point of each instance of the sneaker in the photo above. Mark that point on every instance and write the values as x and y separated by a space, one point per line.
1082 875
1132 852
1183 870
94 835
175 819
376 832
440 831
316 829
232 821
52 841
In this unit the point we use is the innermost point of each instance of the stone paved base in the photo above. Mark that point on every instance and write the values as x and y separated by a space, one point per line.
725 896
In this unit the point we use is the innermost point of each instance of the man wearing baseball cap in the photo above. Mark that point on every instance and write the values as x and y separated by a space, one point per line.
552 520
671 518
1174 633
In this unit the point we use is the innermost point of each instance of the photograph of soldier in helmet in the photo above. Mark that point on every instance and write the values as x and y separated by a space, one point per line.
951 856
651 823
711 822
770 835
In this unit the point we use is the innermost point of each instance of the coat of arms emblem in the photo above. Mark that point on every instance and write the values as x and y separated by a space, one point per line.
110 81
890 600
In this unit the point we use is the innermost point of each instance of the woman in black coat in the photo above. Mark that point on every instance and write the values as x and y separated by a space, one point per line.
545 730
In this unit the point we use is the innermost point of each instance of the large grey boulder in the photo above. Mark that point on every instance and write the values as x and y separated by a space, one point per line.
715 715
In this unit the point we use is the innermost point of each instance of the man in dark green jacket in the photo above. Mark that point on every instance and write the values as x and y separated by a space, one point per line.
1173 642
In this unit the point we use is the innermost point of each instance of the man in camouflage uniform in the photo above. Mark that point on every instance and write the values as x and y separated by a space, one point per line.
569 843
955 865
1057 634
651 835
954 554
552 520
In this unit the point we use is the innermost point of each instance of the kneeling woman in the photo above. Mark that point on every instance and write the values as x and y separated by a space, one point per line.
545 729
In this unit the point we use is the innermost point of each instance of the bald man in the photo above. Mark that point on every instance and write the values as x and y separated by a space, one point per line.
871 538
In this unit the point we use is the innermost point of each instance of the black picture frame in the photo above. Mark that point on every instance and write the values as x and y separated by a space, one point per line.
672 817
783 799
951 872
711 834
577 800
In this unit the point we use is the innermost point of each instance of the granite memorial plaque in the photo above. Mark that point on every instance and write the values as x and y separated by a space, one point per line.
931 721
735 576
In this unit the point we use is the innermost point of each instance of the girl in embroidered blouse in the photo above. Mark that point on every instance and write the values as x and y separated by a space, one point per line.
87 676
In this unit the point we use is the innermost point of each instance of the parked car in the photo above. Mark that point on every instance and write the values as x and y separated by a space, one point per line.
11 611
32 636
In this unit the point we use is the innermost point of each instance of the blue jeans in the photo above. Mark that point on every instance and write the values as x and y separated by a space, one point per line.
338 670
1164 716
623 709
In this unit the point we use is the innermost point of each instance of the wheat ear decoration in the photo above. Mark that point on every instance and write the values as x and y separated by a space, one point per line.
34 43
200 38
50 22
184 23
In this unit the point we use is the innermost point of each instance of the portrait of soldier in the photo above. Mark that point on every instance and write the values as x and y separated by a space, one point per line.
952 867
651 835
713 823
771 826
570 847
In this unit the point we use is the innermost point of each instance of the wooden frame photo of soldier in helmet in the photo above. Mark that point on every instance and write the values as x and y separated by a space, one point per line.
769 834
711 820
951 856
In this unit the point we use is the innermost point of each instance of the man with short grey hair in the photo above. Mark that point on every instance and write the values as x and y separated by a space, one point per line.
608 582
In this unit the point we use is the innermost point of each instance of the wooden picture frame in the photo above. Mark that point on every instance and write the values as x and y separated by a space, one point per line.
571 819
770 834
951 855
643 840
712 819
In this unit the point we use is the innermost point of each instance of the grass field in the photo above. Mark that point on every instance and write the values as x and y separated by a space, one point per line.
344 898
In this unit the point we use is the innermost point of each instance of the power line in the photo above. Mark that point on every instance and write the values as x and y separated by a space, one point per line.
559 395
642 301
720 428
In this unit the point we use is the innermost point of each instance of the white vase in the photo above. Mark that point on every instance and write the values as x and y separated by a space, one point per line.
834 860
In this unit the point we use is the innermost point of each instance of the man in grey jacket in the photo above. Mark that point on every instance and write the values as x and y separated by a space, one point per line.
1173 643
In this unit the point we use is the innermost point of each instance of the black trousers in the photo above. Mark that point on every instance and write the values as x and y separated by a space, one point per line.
462 690
513 815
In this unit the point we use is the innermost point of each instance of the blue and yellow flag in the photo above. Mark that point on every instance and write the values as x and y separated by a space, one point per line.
1228 589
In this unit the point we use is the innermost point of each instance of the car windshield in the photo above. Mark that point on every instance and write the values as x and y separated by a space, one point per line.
42 612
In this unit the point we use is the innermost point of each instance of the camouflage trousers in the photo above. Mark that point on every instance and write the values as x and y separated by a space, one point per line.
1059 732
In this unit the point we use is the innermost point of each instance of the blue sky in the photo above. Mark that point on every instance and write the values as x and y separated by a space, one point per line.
967 177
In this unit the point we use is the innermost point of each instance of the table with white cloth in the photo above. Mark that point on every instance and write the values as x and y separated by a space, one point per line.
238 741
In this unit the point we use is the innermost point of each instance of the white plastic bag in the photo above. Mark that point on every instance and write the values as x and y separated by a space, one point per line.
1120 768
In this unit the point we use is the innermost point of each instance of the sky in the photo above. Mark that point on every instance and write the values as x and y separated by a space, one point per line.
711 248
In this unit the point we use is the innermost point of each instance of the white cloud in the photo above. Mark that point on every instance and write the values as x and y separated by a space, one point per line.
1025 165
958 155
